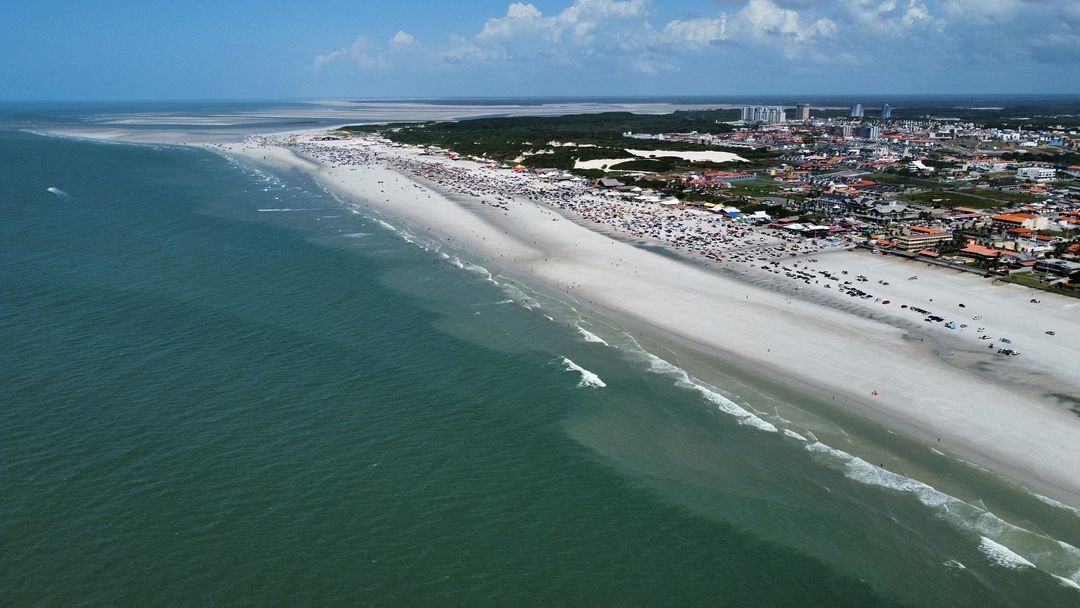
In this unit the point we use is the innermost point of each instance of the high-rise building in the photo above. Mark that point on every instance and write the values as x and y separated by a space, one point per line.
868 131
886 112
802 112
856 111
766 114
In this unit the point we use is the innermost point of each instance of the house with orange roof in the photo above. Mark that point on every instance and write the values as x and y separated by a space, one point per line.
974 250
1006 221
922 237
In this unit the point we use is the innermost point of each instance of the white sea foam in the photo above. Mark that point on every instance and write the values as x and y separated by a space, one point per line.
1054 503
1052 554
386 225
357 235
685 380
857 469
506 301
284 210
1070 583
484 272
60 194
1002 556
794 435
588 336
588 379
514 292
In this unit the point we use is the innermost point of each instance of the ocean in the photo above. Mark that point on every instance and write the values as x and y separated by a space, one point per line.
224 386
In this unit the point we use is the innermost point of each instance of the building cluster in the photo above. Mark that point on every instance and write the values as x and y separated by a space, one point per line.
830 179
770 115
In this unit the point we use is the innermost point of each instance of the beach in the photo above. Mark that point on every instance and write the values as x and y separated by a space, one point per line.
421 352
879 361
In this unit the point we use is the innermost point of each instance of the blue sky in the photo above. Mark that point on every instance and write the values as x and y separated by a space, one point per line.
243 49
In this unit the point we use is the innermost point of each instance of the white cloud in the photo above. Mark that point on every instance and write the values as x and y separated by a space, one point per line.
402 40
981 10
619 30
811 37
368 56
698 33
577 22
768 23
915 13
359 52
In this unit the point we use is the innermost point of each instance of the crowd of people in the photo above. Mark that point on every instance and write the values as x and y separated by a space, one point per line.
713 236
776 253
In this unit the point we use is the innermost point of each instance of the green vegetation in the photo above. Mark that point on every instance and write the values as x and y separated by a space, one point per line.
1000 195
597 135
563 157
654 165
1010 114
758 187
976 198
910 181
1037 281
958 242
1062 157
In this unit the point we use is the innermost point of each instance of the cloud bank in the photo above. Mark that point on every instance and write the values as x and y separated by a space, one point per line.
742 43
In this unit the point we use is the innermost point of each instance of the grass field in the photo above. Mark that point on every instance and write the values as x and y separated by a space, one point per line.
1035 281
945 198
980 198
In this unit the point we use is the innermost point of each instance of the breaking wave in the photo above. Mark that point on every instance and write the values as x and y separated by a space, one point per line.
711 393
1002 556
588 336
1049 555
588 379
794 435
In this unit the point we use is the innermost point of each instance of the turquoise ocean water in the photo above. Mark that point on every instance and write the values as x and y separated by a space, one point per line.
220 386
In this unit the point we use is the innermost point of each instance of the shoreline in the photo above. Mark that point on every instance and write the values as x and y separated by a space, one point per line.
822 351
1025 438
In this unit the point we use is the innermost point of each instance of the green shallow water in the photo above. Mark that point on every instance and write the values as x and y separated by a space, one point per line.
208 404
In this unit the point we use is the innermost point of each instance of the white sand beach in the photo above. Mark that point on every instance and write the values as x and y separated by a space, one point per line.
942 386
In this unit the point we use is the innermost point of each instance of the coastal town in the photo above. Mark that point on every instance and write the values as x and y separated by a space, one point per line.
794 225
933 190
540 303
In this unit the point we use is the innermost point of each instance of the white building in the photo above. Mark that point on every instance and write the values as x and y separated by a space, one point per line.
1036 174
767 114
